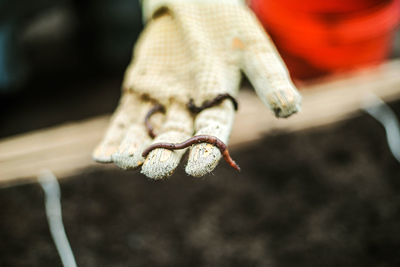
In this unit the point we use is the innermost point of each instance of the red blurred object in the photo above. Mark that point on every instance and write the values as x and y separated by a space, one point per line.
319 37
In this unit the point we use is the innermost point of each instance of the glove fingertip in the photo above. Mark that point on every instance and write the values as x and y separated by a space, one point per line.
103 153
203 159
126 161
161 163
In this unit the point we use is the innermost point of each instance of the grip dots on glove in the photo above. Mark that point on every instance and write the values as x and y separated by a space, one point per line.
196 140
210 103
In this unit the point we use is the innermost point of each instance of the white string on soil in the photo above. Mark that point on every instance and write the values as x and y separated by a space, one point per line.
379 110
51 189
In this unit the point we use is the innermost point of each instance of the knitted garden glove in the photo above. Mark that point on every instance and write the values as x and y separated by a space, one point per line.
192 50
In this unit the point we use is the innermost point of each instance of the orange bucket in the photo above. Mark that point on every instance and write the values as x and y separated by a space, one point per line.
320 37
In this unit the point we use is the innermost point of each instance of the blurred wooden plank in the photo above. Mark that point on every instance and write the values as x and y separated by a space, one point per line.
66 149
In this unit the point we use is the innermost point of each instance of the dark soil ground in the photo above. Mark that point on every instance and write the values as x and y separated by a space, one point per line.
326 197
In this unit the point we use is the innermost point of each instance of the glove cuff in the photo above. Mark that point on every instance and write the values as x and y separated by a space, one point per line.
149 7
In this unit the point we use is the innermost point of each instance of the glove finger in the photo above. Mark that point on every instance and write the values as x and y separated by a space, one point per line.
123 117
267 72
137 138
216 121
177 128
128 155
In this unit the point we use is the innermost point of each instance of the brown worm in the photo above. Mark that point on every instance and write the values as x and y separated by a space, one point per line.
210 103
196 140
156 108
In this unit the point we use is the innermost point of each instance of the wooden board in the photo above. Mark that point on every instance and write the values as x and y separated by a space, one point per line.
66 149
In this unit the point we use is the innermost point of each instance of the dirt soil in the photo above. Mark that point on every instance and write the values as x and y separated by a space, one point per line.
326 197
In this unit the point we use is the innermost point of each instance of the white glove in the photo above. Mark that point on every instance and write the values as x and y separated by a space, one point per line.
192 50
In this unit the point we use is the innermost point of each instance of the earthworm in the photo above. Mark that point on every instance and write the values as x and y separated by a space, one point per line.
156 108
210 103
196 140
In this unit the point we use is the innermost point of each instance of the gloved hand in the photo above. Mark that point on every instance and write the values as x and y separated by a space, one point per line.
192 50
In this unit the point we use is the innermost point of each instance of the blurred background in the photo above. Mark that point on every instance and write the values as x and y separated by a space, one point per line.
53 51
325 196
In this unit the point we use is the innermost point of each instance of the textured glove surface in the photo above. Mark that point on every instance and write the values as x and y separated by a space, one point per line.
192 50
